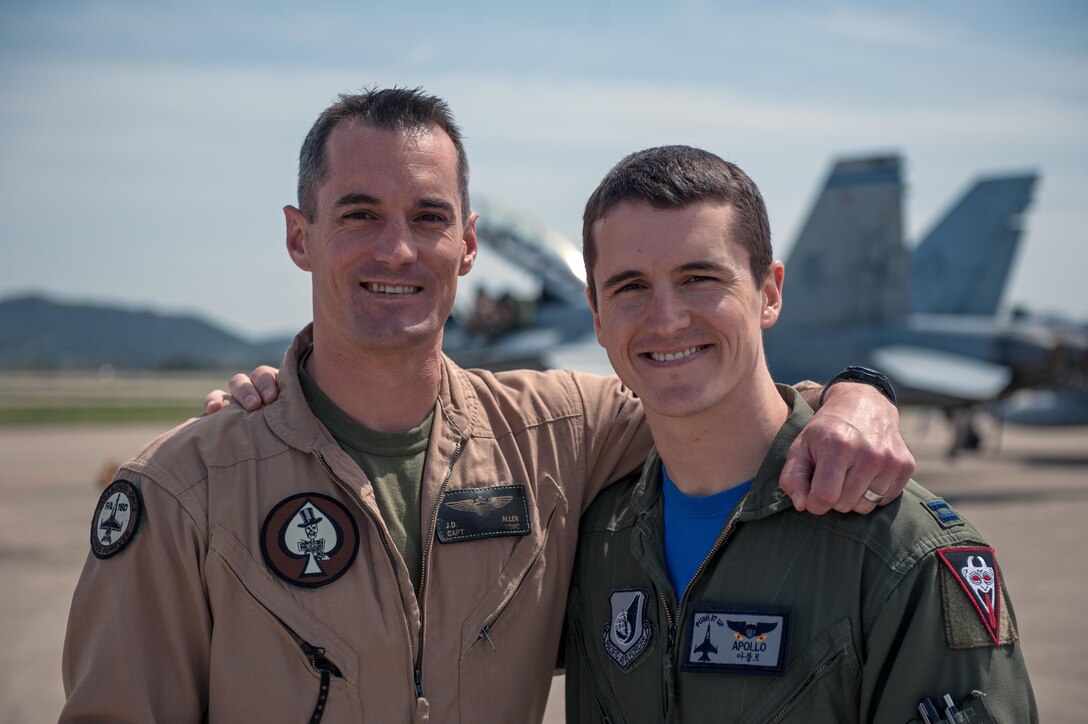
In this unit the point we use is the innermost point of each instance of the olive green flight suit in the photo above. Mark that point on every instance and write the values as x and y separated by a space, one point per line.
869 620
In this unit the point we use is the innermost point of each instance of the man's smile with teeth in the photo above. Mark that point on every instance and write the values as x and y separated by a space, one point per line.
390 288
672 356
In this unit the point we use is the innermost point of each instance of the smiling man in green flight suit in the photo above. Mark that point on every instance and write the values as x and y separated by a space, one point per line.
699 593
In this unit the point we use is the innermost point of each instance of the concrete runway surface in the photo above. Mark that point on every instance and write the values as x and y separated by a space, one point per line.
1029 497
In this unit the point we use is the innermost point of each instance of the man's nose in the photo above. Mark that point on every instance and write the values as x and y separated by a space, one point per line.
395 247
667 314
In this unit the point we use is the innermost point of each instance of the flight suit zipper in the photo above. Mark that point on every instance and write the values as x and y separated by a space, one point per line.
485 631
812 678
671 652
427 544
497 614
417 651
354 494
320 663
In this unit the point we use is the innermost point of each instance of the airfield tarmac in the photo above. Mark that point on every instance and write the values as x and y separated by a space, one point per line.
1028 493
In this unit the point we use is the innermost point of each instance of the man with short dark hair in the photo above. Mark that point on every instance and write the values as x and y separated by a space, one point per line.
699 593
392 540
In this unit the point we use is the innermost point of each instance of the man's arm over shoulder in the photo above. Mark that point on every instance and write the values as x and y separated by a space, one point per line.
851 451
617 438
139 630
851 455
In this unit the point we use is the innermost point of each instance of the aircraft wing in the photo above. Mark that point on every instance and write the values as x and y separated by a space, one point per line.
943 373
1057 407
582 356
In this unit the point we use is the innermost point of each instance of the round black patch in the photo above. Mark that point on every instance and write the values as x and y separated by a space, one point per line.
309 539
116 518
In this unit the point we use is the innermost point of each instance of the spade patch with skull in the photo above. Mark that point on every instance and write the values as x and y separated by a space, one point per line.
309 539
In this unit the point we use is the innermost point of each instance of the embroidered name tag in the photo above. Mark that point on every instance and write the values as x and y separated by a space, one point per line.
722 641
482 513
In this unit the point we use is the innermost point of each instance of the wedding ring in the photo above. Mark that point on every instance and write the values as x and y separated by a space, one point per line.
873 497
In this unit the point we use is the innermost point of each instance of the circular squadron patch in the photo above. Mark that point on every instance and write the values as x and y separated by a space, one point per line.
309 539
116 518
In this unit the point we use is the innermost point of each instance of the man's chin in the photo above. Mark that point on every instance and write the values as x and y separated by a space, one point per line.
393 337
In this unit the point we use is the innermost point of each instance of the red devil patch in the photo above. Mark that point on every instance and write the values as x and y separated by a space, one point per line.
976 571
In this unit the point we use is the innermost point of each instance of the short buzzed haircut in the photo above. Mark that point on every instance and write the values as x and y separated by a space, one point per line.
669 177
390 109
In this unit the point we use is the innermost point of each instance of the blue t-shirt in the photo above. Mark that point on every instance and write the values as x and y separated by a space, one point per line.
692 525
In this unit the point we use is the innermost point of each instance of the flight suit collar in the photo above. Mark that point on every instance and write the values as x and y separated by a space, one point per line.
290 418
765 497
294 423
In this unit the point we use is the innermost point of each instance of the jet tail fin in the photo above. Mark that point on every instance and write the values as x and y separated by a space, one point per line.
962 266
849 265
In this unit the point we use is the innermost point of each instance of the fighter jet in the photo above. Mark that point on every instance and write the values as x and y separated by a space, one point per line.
706 648
962 267
508 329
963 264
848 300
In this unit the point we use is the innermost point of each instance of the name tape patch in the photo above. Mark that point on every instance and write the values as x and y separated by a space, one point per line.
730 641
116 518
483 513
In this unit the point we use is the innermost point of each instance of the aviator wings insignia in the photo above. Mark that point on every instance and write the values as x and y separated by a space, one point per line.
481 506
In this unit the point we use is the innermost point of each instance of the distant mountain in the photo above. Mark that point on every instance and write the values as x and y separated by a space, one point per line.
39 333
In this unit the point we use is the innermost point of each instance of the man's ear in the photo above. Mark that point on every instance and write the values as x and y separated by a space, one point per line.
772 294
596 317
298 234
471 245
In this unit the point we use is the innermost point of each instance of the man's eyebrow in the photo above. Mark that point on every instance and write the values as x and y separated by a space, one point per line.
619 278
703 266
352 199
434 203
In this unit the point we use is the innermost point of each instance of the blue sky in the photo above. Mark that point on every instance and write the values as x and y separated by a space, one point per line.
147 147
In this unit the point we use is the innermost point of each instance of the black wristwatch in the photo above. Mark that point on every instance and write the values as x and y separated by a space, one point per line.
864 375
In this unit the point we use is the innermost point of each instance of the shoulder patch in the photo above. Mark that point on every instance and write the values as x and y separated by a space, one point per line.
971 595
628 631
736 641
116 518
309 539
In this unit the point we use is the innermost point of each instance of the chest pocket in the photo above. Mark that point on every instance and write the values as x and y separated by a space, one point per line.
820 685
505 635
293 659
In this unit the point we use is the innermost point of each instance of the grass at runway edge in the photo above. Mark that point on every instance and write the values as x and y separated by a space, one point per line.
34 399
94 414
